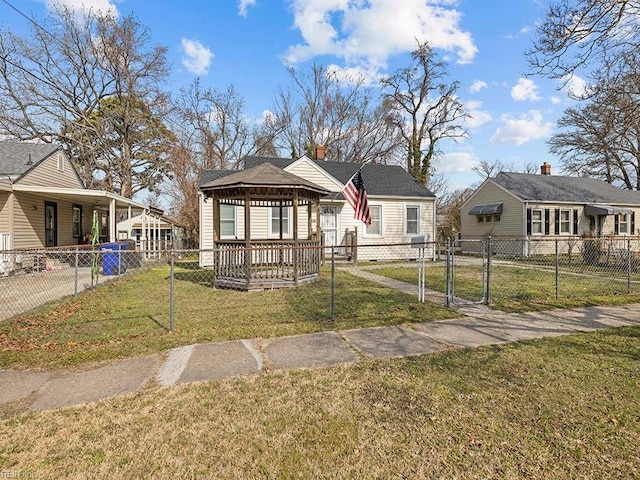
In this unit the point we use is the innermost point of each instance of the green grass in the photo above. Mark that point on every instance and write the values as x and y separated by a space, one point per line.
558 408
515 289
130 317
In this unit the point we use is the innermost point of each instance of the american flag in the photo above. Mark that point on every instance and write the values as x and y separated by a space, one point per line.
356 195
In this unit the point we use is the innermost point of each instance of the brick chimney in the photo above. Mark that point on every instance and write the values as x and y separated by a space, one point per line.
320 149
545 169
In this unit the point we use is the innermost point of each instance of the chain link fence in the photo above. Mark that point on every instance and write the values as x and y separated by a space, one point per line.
170 287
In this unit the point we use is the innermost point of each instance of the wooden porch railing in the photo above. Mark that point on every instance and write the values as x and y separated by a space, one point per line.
266 262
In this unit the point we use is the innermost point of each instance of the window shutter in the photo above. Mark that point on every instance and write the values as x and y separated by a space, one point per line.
633 223
616 229
575 221
557 221
528 221
546 221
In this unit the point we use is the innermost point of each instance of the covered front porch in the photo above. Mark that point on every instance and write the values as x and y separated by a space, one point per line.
279 244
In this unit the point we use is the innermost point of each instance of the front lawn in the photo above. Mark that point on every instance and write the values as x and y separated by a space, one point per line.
130 317
525 288
557 408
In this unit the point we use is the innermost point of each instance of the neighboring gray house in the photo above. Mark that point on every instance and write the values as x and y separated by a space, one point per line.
545 206
400 207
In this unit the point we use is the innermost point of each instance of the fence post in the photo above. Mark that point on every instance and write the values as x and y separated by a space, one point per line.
557 265
333 285
489 267
75 276
171 292
447 279
629 265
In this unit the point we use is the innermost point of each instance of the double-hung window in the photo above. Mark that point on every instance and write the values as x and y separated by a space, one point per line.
274 223
375 229
537 221
565 222
77 221
412 220
623 224
227 221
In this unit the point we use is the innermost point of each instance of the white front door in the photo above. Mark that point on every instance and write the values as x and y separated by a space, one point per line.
329 225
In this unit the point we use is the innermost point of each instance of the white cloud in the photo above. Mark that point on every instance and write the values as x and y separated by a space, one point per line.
367 33
457 162
555 100
197 57
575 86
478 117
525 89
243 6
522 31
105 6
477 85
353 74
528 126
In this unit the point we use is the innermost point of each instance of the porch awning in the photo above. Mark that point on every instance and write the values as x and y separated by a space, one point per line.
593 210
488 209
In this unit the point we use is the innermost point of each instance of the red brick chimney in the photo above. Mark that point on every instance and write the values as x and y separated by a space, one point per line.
320 149
545 169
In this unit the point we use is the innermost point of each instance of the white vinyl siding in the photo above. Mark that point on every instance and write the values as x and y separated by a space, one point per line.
310 172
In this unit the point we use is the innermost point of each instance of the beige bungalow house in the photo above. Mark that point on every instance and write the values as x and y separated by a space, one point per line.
401 208
44 203
545 206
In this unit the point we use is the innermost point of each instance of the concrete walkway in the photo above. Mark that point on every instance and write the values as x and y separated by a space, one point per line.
203 362
41 391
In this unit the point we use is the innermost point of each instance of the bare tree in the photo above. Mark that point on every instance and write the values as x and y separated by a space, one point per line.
426 109
576 33
342 114
55 79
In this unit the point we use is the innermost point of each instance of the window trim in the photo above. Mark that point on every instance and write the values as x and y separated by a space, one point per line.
365 233
534 222
626 223
289 222
569 221
77 208
418 231
235 223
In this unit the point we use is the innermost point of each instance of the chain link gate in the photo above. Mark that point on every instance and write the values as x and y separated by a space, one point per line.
466 271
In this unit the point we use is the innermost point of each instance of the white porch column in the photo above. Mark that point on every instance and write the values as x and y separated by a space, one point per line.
143 232
130 234
112 221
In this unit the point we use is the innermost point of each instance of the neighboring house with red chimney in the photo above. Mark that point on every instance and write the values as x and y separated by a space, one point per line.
401 208
545 206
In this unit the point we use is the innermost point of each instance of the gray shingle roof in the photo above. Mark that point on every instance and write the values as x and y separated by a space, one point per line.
207 176
15 156
383 180
557 188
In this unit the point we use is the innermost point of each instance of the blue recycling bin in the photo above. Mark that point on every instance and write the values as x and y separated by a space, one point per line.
113 258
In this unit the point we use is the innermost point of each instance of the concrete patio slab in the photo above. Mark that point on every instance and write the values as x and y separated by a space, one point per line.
462 333
386 342
220 360
122 376
310 350
16 385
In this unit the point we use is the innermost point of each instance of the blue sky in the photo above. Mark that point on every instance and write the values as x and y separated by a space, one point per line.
247 43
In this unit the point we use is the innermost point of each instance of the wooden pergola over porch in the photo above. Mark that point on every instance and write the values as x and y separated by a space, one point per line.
251 263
